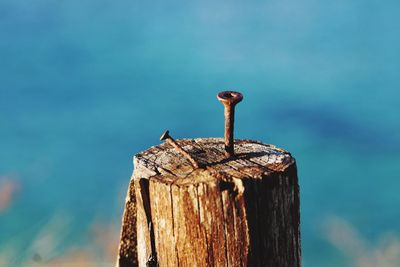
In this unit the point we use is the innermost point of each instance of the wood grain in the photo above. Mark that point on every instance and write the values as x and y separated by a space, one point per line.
242 211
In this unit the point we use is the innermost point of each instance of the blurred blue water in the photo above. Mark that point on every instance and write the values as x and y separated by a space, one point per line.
84 85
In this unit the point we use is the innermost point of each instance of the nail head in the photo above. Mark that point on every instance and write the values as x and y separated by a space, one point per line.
230 97
165 135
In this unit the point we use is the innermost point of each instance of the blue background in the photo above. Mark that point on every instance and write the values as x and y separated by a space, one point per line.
84 85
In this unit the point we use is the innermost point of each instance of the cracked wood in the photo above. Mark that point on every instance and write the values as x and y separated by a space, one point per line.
233 212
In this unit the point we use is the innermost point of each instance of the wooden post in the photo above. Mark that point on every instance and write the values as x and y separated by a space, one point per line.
242 211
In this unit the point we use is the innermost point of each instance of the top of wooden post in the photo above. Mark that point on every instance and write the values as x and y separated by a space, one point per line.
252 160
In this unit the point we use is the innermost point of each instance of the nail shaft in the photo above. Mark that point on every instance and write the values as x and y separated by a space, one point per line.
229 99
169 140
229 113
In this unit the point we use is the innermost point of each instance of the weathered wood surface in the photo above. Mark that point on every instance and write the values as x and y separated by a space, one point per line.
237 212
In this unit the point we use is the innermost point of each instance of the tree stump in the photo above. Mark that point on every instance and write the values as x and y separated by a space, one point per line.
242 211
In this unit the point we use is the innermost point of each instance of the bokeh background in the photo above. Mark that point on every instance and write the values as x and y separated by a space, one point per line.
84 85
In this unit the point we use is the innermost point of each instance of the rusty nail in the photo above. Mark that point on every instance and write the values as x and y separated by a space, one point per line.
168 139
229 99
